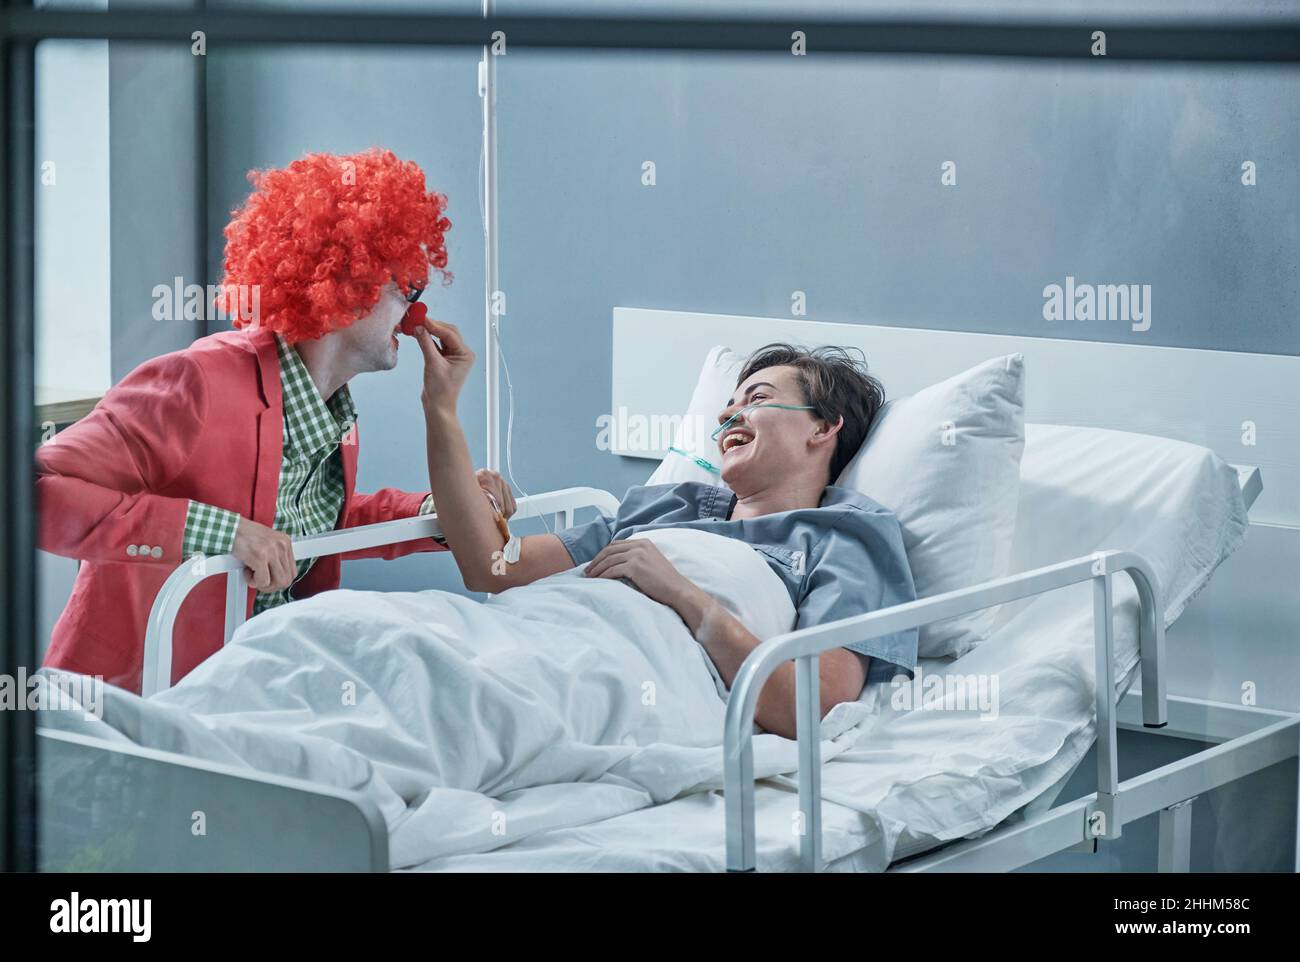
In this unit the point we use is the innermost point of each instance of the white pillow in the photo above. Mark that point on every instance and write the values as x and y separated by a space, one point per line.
1082 490
717 380
955 533
946 462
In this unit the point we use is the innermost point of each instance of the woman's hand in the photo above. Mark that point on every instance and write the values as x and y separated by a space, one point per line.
640 562
445 368
498 491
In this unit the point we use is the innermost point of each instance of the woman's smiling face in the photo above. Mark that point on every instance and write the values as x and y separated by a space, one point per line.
763 441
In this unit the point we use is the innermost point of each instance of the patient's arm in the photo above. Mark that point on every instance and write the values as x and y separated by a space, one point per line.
468 522
841 672
466 517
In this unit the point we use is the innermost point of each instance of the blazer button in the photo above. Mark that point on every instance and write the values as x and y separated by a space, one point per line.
156 551
132 550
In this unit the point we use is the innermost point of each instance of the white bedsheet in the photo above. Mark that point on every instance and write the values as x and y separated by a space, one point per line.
915 779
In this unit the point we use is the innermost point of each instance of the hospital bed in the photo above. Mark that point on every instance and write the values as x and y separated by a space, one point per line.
279 823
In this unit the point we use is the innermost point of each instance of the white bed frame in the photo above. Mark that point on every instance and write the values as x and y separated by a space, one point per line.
1245 740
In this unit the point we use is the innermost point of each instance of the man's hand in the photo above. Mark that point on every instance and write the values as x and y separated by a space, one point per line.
267 555
498 490
643 564
445 368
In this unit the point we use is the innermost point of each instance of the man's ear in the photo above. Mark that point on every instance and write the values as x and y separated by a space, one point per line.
826 432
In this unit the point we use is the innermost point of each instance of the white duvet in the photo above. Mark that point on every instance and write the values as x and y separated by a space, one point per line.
474 725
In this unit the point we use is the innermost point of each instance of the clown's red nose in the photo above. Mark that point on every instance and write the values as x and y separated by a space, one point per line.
414 317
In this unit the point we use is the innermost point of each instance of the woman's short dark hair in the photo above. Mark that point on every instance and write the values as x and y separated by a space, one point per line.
833 383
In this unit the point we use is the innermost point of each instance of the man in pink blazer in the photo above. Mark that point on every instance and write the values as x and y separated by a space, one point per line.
248 436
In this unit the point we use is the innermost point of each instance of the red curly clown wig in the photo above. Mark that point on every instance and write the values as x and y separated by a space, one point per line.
320 237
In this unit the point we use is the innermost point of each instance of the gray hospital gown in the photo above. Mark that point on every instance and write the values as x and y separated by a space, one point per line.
842 558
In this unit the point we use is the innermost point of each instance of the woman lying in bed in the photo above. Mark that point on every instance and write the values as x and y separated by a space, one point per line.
793 422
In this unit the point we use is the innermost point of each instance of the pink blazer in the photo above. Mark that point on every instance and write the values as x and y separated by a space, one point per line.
205 423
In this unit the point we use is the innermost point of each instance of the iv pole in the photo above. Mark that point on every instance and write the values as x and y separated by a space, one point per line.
487 90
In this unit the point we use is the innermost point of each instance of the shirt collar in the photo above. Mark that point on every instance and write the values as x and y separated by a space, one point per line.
310 421
718 502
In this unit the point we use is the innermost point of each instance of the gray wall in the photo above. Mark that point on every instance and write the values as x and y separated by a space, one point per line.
158 183
778 174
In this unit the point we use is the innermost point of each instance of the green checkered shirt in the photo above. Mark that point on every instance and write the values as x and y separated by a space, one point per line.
310 495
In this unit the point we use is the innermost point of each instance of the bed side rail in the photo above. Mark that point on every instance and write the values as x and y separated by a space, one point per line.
157 672
109 806
804 646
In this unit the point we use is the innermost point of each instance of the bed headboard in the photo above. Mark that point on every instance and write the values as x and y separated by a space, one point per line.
1219 399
